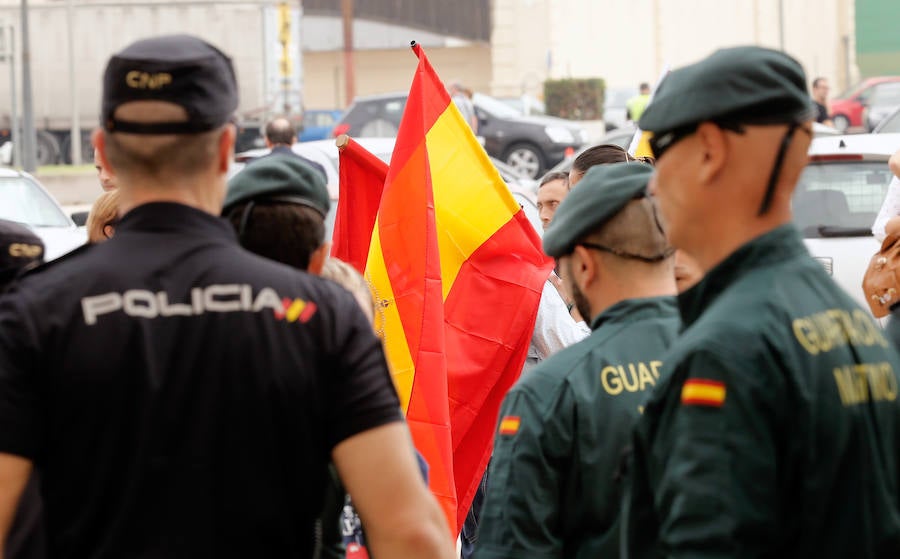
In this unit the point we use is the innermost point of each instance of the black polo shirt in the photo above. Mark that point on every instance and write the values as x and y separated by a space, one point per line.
180 395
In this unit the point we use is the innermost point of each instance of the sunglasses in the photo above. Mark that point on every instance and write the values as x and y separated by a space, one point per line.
660 143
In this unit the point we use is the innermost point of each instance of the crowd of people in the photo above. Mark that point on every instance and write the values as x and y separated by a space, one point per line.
203 380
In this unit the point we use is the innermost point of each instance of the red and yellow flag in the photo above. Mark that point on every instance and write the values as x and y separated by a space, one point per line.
703 392
362 177
457 271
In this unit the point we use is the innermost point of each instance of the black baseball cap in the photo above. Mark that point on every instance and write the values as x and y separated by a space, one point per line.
179 69
19 249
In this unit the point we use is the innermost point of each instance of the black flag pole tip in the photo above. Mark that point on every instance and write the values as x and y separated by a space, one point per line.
412 43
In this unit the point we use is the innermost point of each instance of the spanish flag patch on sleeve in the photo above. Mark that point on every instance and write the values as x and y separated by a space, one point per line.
509 425
703 392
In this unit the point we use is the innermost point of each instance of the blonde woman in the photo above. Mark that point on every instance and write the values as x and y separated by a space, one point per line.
101 221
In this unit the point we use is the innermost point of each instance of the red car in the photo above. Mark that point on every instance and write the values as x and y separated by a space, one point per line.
847 110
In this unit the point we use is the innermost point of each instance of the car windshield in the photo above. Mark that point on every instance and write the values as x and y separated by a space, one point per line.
840 199
497 108
890 124
886 94
852 90
24 201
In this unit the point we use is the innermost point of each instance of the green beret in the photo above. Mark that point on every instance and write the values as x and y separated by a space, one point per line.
282 178
749 85
598 197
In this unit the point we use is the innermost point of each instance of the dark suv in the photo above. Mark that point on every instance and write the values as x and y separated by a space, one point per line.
529 144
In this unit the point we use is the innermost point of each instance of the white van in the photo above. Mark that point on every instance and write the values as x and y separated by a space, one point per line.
837 199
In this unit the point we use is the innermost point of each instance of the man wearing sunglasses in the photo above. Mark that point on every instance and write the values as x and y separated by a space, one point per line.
552 491
775 431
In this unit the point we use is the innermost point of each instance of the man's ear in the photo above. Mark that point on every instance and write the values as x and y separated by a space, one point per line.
98 139
714 148
317 259
584 267
226 147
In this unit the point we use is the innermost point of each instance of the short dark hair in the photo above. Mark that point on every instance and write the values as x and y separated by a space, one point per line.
815 82
644 86
635 230
281 131
554 176
602 154
159 157
286 233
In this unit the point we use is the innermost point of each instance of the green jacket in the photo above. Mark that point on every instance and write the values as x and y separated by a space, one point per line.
776 432
552 491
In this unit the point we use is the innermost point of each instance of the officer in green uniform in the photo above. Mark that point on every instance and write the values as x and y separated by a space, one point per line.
553 490
776 429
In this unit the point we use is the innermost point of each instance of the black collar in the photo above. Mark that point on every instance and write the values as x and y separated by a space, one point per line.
170 217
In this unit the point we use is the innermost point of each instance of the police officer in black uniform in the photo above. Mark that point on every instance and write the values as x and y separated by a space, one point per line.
20 250
181 396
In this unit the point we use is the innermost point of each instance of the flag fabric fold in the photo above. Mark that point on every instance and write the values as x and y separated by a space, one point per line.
457 273
362 177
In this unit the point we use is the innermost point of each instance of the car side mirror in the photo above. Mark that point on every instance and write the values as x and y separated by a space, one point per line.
80 218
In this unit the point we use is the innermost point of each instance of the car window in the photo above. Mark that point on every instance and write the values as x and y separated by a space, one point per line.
886 94
494 107
313 120
394 107
24 201
890 124
835 199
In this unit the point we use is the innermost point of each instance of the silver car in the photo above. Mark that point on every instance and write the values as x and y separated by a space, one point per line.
24 200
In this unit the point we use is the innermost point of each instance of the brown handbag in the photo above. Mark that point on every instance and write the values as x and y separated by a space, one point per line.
881 284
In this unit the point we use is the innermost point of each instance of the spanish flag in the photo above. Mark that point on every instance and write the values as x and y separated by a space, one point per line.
457 272
362 177
703 392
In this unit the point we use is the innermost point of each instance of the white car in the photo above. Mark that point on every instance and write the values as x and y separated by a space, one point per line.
326 153
24 200
837 199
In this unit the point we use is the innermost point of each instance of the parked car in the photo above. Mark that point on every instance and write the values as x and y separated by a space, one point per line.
525 104
881 104
325 153
889 124
318 124
24 200
837 200
615 111
846 110
529 144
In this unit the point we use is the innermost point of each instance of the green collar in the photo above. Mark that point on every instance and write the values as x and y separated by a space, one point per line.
778 245
633 310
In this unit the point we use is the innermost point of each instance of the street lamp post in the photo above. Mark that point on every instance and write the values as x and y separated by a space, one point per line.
8 54
29 138
75 132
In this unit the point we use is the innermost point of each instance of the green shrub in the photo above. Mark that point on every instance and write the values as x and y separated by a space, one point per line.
576 99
